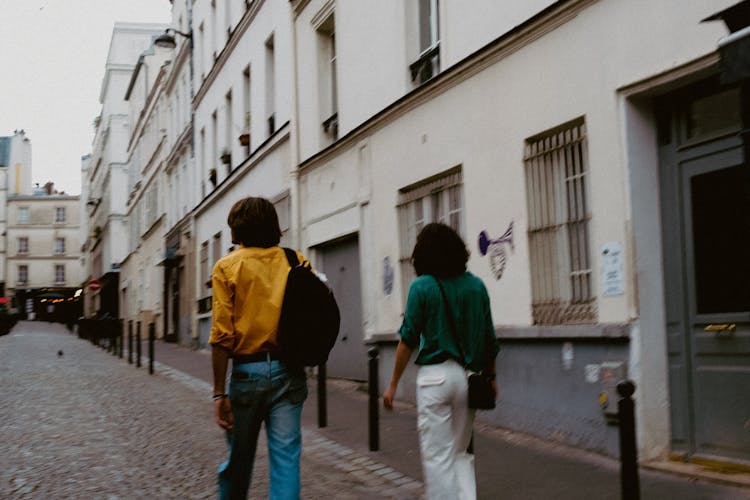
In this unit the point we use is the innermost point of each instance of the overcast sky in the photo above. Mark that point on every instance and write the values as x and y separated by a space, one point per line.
52 55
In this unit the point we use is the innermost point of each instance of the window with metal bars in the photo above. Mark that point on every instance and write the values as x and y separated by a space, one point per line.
23 274
556 164
59 274
23 245
436 199
59 246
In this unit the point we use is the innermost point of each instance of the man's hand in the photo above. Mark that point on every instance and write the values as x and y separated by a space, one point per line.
223 413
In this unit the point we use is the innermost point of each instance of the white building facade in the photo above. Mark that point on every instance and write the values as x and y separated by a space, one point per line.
15 178
179 253
106 169
552 136
243 108
141 277
576 145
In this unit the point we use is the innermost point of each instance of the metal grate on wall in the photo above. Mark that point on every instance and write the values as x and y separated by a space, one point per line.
438 198
556 165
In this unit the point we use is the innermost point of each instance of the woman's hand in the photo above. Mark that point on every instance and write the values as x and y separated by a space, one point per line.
223 413
388 396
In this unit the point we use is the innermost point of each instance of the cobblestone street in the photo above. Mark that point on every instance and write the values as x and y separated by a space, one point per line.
85 424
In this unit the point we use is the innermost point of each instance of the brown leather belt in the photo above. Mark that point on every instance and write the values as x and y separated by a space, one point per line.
255 357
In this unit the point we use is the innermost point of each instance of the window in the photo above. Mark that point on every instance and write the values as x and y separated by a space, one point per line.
228 17
428 64
23 274
151 209
214 32
228 128
216 250
436 199
270 86
246 106
205 271
283 210
205 166
59 215
59 246
23 215
199 63
23 245
556 167
59 274
214 144
327 78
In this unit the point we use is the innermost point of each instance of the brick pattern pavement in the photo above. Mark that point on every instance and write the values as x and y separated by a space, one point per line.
88 425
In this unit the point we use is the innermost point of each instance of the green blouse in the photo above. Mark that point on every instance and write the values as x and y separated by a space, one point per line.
426 324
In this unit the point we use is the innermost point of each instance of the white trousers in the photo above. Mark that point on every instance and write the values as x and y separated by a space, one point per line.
445 423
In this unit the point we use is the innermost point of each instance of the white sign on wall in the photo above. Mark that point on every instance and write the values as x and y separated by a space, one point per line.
613 279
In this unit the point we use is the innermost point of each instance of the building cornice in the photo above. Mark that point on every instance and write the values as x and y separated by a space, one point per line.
692 70
545 21
177 65
182 142
269 146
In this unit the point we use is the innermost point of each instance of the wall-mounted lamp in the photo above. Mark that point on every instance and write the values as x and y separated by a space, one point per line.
167 41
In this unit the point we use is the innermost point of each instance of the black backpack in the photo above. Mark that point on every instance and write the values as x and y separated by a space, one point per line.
309 322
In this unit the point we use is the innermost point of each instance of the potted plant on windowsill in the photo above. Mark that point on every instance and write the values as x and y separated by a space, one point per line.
226 157
244 137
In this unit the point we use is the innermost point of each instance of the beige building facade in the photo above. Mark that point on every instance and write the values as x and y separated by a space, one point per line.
43 259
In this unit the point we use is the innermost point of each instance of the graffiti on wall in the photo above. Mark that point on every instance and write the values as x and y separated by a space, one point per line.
387 276
495 249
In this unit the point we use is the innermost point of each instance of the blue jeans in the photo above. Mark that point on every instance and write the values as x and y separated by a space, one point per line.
270 393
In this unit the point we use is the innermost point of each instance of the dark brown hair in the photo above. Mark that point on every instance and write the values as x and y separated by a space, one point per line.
439 251
254 223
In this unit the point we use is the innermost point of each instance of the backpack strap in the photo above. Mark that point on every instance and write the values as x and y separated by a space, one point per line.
291 257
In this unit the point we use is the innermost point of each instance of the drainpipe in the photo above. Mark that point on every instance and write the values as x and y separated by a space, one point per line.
296 210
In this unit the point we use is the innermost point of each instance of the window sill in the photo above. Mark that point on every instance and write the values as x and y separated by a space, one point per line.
427 66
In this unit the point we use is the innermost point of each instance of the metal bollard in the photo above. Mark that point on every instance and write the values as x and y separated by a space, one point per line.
374 418
628 451
151 336
114 336
121 337
130 341
322 404
138 344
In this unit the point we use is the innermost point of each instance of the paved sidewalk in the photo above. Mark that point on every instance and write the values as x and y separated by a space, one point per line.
509 465
88 425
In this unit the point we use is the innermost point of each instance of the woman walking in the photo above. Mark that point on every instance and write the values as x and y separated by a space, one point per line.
444 297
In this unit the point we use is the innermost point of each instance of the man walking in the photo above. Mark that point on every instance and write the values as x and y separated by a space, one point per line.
248 290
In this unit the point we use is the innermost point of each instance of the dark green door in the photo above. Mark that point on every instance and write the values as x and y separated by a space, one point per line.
705 186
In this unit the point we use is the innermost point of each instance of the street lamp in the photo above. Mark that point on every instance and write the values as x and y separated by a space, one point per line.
167 41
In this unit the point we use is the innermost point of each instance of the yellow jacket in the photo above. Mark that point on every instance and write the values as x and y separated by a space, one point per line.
248 291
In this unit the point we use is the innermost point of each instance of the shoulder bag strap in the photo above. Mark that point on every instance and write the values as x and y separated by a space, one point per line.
291 256
452 323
